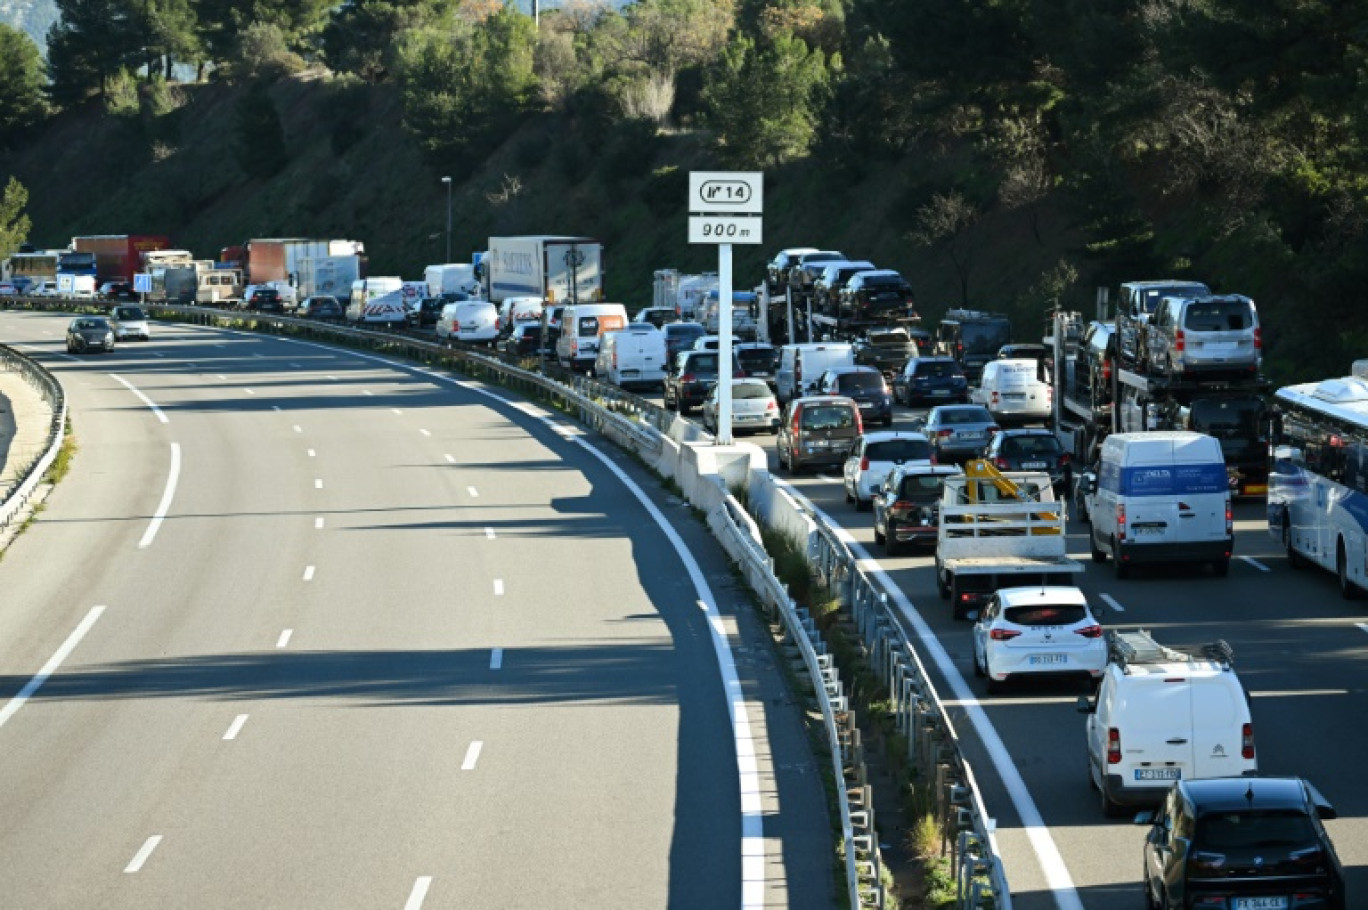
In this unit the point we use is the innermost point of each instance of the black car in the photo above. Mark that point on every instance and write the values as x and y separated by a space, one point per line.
425 314
266 300
1232 842
886 350
689 376
758 359
865 386
876 292
680 336
1032 450
326 308
930 380
523 341
89 333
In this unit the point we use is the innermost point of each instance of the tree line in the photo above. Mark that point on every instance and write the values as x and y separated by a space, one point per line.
1217 139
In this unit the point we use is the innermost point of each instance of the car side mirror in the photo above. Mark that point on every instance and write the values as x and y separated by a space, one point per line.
1086 705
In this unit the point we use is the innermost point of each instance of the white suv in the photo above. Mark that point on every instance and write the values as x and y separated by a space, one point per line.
1162 715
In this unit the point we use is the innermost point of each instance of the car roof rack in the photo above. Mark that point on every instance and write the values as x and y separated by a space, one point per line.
1139 648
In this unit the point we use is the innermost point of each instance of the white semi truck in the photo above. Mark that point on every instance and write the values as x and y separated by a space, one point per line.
558 269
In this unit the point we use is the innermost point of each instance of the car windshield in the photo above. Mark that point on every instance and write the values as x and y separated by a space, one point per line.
965 415
1251 829
702 363
920 487
827 417
90 324
864 382
985 336
1149 300
1218 316
757 358
128 312
750 390
940 369
1035 444
899 450
1046 614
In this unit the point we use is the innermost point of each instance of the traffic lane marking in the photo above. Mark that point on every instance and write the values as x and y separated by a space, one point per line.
1112 602
472 755
61 654
1256 564
235 727
143 853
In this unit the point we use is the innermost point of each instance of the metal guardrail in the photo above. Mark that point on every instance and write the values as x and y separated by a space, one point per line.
17 494
638 424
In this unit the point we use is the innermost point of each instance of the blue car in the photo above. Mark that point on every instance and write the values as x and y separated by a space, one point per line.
931 381
865 386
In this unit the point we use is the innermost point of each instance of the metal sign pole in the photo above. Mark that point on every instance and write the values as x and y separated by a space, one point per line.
724 345
788 297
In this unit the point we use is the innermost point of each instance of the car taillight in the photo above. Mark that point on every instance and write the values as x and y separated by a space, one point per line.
1230 521
1003 634
902 506
1179 343
1208 862
1092 631
1308 856
1001 463
772 406
1247 741
1106 371
859 423
1063 459
1113 746
688 377
795 423
1258 339
1120 522
864 463
993 430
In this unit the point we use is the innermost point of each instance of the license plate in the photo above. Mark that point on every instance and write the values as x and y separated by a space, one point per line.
1253 488
1033 465
1038 660
1158 774
967 435
866 405
748 417
940 391
1259 903
1147 531
1014 396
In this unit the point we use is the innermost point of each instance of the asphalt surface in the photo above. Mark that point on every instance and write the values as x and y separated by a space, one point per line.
1300 650
303 628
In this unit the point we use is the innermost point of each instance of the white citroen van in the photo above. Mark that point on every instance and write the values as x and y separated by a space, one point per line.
801 365
582 324
1161 715
632 356
1012 391
1162 496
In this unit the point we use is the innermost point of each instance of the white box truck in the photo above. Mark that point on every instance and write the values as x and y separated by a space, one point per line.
559 269
328 276
451 278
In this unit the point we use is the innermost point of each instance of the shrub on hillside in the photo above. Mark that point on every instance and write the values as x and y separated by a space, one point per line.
665 192
260 139
631 150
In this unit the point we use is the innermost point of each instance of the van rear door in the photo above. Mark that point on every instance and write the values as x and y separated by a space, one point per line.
1219 713
1155 724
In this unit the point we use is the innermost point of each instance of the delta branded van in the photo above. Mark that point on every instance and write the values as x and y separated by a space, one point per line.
1162 496
582 324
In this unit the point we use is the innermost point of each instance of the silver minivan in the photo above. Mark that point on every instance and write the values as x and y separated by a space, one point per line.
1216 336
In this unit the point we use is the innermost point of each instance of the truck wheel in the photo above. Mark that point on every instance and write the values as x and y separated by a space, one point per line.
1294 559
1122 569
941 587
891 547
879 537
1098 555
1109 808
1348 590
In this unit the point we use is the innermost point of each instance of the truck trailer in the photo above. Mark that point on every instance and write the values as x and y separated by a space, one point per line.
278 259
118 257
327 276
556 268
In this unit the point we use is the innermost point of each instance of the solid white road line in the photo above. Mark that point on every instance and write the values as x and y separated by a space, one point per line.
308 573
474 493
249 391
419 893
284 638
33 685
145 400
222 377
498 586
318 524
172 478
141 856
1256 564
1111 602
1284 693
396 410
333 378
318 483
367 392
472 756
496 658
489 533
236 727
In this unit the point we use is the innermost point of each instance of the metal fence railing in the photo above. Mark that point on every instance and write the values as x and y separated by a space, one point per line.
641 425
31 463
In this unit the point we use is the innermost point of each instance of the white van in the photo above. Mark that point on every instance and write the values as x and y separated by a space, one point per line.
1163 715
471 321
366 290
634 356
581 326
1012 392
514 310
801 365
1162 496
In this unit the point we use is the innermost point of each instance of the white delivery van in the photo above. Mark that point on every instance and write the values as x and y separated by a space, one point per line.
519 309
633 356
801 365
582 324
1012 392
1162 496
470 321
365 290
1162 715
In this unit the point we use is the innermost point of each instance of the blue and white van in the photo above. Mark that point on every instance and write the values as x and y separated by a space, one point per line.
1162 497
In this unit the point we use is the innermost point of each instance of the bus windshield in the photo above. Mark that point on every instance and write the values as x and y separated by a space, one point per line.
985 336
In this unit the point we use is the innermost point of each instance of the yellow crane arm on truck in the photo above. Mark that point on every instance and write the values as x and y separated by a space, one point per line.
981 471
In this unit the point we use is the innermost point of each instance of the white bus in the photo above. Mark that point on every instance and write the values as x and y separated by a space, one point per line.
1318 476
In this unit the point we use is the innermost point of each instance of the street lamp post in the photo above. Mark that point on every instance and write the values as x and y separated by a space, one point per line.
447 181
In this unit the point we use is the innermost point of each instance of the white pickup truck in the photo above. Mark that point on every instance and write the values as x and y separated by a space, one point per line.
998 530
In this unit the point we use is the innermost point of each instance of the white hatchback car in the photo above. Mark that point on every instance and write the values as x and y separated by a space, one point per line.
129 322
754 409
1038 631
874 455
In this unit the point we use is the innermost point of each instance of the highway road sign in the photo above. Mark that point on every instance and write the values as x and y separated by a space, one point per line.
726 192
725 229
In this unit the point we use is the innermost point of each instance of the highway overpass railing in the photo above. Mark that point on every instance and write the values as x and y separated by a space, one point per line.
680 450
24 470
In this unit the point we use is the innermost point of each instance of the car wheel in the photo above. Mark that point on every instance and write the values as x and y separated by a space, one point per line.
891 545
1110 809
1122 569
1098 555
1348 590
845 488
993 686
863 505
941 587
1294 559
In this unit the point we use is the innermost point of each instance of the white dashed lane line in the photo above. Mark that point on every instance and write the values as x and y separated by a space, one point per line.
397 411
425 432
312 453
168 493
308 573
141 856
1363 626
284 638
472 755
33 685
1111 602
318 524
498 587
1256 564
489 533
236 727
419 893
318 483
298 428
451 459
474 493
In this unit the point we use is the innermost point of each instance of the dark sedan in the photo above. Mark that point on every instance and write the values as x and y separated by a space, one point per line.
424 315
930 380
690 376
1031 450
523 341
875 292
87 334
321 308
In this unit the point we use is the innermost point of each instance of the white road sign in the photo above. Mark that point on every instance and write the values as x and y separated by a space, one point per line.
727 192
725 229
